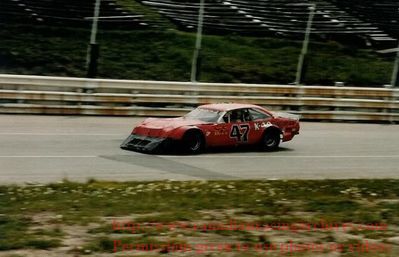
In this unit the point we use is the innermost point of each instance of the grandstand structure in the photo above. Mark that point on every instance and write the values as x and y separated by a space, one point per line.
75 13
384 14
366 22
350 21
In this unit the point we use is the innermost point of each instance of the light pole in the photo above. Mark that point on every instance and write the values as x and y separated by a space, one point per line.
395 72
93 50
299 70
196 63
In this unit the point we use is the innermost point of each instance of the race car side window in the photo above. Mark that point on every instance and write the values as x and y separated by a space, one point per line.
258 115
236 116
246 116
226 117
233 116
239 115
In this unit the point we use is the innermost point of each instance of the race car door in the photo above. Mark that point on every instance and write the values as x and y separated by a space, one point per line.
237 129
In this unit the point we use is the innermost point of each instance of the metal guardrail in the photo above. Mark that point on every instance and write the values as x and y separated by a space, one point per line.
60 95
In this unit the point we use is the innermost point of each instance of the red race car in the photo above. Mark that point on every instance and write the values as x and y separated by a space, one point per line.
214 125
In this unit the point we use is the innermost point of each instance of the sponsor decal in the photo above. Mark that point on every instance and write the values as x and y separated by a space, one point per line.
258 125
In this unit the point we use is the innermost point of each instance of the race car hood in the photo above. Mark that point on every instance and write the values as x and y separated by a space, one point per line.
161 127
169 123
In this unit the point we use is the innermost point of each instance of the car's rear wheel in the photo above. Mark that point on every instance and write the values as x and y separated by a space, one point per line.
271 140
193 142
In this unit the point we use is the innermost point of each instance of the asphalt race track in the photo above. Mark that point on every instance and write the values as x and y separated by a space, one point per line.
51 148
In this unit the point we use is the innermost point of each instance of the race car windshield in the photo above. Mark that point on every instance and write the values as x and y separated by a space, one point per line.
206 115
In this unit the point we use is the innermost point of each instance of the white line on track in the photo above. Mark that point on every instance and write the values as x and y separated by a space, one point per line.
58 134
210 156
280 156
48 156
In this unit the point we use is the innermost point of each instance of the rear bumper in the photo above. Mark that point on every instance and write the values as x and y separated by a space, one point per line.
146 144
289 136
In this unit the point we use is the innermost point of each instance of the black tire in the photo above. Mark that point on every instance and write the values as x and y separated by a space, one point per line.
193 142
271 140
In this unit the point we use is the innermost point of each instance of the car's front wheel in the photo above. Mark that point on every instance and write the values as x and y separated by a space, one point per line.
271 140
193 142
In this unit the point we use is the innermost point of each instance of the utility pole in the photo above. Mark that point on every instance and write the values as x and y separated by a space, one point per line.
299 71
395 72
196 63
93 50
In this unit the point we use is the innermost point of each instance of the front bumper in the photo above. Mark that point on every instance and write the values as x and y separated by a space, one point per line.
145 144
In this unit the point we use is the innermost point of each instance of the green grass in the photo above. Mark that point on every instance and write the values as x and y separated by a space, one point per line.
192 203
144 243
170 217
15 235
83 202
55 232
331 205
371 234
42 244
165 54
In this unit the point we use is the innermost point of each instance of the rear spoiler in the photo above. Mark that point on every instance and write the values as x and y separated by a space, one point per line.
287 115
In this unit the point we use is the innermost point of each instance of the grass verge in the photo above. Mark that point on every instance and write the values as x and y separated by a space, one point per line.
113 215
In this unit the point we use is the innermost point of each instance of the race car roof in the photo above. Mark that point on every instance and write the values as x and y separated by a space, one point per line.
228 106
